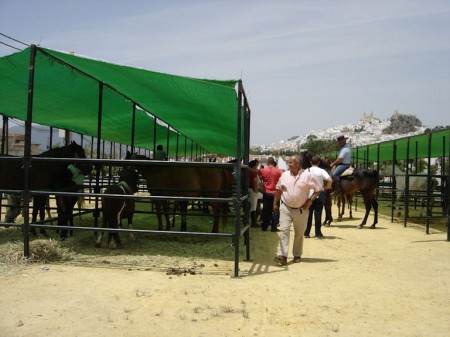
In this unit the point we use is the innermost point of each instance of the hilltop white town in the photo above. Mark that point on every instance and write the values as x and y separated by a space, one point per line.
369 130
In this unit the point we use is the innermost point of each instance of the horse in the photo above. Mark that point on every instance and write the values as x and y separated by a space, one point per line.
115 209
185 182
418 185
14 208
365 182
43 176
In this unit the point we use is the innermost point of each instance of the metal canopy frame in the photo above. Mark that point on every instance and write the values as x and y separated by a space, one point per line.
242 156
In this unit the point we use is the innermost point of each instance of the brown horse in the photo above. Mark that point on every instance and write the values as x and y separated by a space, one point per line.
171 181
115 209
365 182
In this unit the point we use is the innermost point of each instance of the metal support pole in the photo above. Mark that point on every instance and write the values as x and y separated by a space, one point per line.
27 154
98 167
237 200
133 127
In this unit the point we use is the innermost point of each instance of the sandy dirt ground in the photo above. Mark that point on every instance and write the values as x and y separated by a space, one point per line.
392 281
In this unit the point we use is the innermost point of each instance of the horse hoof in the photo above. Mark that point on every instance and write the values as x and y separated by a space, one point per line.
373 227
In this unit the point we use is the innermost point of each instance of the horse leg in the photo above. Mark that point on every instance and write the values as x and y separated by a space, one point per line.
158 206
130 226
176 206
340 203
165 206
98 242
375 212
216 211
368 204
162 207
350 202
397 203
39 202
62 220
71 203
113 237
34 214
327 206
183 209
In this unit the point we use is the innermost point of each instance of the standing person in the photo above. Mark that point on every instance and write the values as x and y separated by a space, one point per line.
253 189
160 154
293 190
269 176
317 205
342 163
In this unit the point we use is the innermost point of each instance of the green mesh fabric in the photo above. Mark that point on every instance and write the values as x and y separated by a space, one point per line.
433 145
66 96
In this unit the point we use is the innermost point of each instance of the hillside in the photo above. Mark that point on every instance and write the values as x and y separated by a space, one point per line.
369 130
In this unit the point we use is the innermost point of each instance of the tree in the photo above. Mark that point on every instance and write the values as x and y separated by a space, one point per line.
319 146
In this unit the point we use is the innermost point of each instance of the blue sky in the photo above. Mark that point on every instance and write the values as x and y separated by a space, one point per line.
305 65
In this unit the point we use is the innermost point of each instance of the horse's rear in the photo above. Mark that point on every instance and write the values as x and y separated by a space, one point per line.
365 182
115 209
112 208
217 183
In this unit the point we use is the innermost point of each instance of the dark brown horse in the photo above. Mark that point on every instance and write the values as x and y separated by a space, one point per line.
45 176
365 182
185 182
115 209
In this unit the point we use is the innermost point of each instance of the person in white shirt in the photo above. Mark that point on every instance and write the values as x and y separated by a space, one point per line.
316 207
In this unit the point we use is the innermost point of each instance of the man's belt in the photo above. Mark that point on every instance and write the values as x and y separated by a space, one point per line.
290 206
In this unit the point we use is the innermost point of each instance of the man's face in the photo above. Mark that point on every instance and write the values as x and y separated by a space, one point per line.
293 165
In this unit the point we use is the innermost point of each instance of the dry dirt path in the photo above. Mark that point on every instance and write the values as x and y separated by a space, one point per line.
392 281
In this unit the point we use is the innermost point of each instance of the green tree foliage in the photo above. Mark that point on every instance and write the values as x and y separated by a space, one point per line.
319 146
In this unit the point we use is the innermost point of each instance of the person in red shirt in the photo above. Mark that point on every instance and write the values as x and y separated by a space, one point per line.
269 176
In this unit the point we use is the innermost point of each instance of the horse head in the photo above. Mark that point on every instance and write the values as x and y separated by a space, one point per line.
129 175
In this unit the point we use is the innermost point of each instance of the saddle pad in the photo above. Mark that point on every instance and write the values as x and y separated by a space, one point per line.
347 172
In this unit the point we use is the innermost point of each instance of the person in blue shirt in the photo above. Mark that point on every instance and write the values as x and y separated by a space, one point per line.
342 163
160 153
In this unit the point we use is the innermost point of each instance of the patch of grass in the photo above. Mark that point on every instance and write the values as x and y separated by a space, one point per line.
148 246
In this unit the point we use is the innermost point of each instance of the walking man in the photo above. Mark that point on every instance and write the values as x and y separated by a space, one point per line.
293 190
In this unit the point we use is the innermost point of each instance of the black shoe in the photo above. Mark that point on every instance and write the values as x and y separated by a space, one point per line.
319 237
275 230
307 236
281 260
297 259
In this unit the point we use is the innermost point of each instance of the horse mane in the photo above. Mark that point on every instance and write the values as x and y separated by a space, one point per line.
69 151
136 156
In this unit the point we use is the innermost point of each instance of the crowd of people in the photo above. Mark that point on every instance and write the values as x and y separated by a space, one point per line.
294 197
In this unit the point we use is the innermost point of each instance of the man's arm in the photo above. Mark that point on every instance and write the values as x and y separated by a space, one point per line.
276 200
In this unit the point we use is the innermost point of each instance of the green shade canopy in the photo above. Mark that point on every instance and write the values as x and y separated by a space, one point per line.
67 91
